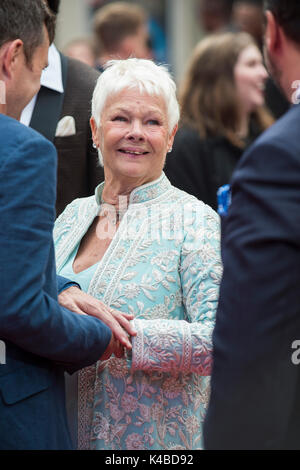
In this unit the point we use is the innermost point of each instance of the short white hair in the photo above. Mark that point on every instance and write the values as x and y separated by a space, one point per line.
141 74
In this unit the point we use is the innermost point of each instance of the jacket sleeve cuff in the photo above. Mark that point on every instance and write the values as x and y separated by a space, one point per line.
63 284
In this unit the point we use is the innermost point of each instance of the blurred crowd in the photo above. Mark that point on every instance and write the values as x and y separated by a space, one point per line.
226 96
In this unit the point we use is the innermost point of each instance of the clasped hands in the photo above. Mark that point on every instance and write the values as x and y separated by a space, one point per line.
79 302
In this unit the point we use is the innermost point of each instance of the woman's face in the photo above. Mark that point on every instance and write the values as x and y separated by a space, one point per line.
133 136
250 76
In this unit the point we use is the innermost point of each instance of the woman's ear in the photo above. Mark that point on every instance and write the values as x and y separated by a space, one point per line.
171 137
94 129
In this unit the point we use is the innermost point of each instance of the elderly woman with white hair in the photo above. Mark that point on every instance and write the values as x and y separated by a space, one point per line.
148 249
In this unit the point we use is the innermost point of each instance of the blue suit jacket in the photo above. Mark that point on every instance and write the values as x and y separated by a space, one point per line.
255 398
42 339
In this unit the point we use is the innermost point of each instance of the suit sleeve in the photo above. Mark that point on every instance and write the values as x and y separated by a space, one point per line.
31 317
254 378
63 284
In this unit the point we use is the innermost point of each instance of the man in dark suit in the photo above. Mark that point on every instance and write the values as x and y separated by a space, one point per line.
255 395
41 339
65 98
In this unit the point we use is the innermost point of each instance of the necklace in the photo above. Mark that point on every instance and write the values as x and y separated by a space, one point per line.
111 212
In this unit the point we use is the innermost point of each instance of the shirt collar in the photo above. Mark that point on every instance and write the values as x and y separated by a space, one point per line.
52 76
143 193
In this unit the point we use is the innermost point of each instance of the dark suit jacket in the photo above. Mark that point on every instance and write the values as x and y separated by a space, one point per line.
78 171
255 398
42 339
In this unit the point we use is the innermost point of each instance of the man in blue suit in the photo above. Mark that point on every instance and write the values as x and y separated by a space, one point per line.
255 396
41 338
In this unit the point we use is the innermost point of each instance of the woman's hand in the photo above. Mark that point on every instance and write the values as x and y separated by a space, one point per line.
79 302
114 347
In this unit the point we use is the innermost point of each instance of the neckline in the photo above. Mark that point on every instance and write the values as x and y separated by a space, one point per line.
141 194
72 259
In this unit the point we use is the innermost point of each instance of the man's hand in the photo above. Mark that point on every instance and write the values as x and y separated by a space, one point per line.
78 301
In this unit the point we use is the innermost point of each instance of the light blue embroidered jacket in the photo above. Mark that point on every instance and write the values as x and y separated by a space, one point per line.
163 265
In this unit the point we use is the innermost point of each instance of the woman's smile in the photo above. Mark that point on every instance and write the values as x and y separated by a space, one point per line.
133 152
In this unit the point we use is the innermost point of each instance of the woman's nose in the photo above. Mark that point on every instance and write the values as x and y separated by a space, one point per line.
263 72
136 130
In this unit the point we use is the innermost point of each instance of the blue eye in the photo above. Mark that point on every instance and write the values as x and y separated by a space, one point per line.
119 118
153 122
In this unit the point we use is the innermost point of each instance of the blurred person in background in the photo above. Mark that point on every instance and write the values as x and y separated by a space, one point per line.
120 31
81 49
215 15
248 16
222 104
60 112
94 5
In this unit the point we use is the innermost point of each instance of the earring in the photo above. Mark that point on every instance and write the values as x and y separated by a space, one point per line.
170 150
94 145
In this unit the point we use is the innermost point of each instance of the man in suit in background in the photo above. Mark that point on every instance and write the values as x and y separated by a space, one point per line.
41 338
61 112
255 395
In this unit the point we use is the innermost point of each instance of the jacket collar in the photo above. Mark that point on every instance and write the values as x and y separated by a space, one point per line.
143 193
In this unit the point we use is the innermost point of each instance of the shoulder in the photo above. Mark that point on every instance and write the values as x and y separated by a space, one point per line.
81 74
27 172
200 226
21 140
81 82
187 135
11 127
75 211
193 207
79 203
269 170
277 150
187 144
283 132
